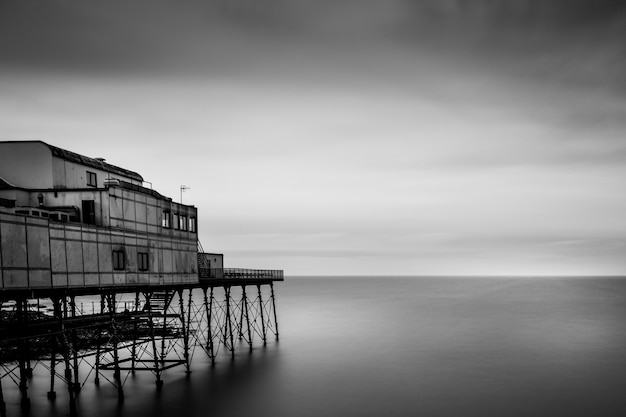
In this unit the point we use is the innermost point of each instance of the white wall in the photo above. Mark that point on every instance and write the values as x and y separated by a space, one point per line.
73 175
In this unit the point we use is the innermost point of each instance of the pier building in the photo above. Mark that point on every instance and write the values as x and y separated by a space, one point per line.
97 266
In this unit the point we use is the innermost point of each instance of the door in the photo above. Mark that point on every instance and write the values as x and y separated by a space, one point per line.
89 212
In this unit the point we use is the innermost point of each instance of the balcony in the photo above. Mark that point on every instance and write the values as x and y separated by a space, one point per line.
205 272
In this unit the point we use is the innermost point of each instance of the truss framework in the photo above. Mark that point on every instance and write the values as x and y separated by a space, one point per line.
156 331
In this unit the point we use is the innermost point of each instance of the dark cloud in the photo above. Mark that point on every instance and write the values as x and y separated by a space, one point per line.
556 14
104 37
580 39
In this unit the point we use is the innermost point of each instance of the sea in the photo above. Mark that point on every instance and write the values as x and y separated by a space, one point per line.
398 346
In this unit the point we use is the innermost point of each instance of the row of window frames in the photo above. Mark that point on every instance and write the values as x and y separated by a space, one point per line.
119 260
180 222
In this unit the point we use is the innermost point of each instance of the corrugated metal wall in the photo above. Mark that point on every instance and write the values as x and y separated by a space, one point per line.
37 253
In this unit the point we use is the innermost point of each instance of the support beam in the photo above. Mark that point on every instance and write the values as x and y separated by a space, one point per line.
228 324
52 395
116 359
60 312
155 352
21 305
261 309
274 308
208 307
244 302
185 330
74 347
3 405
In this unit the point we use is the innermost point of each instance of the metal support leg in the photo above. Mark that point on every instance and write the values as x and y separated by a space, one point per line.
244 301
133 353
240 323
229 324
68 376
23 385
96 379
189 303
274 308
155 352
3 405
75 349
185 329
261 308
53 356
208 307
29 369
62 336
166 305
116 371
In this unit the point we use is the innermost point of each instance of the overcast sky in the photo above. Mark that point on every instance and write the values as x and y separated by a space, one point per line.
346 136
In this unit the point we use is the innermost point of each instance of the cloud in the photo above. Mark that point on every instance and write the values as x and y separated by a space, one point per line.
342 130
544 38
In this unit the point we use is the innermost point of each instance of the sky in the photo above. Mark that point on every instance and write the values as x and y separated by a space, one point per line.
382 137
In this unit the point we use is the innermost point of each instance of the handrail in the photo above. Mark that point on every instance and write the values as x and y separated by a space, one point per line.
240 273
276 274
205 271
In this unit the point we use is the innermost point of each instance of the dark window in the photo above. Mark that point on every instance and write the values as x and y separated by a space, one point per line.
89 212
183 222
118 260
142 261
92 179
7 203
193 227
167 219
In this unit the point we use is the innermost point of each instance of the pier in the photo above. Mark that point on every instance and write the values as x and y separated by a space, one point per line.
101 335
102 277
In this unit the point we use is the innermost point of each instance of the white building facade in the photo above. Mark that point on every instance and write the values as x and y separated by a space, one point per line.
67 220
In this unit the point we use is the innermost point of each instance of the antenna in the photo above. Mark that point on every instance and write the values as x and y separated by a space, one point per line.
182 189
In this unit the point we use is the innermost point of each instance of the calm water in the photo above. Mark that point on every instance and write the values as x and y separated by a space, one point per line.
403 347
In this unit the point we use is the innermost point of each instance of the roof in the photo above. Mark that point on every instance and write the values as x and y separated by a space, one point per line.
96 163
92 162
5 185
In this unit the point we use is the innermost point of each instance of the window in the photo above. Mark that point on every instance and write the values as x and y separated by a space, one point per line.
89 211
176 221
193 227
118 260
167 219
92 179
142 261
183 222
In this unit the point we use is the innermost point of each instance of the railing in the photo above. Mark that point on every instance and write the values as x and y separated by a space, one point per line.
273 274
239 273
205 271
